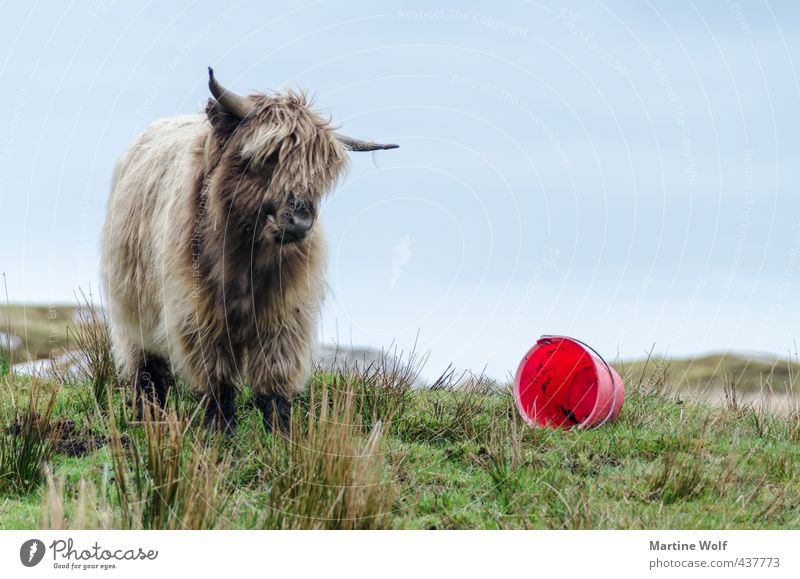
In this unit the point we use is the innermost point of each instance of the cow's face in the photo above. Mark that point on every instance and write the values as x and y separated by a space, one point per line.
280 158
279 162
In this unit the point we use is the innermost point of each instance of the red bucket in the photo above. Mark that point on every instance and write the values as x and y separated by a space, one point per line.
562 382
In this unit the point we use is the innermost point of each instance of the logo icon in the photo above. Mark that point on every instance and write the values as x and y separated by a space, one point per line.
31 553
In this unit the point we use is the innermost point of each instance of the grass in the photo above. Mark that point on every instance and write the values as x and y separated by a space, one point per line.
366 451
26 442
88 357
330 473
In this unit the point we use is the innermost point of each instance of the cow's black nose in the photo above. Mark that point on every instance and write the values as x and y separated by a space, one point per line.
297 226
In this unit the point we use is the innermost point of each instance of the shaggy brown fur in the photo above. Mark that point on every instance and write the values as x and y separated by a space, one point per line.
200 274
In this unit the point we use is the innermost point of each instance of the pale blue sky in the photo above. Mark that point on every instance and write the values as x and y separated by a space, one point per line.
621 172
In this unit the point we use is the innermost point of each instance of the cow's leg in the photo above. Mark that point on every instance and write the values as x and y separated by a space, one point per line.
212 371
150 373
276 411
278 369
153 380
221 407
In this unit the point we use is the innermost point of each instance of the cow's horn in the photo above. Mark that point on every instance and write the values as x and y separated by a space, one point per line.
359 145
233 103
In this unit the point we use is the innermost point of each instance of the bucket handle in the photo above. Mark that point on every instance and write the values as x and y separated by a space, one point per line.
608 369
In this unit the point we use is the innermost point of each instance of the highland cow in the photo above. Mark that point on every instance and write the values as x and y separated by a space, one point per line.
212 254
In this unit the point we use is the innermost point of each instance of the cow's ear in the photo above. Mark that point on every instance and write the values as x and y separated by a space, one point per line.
223 122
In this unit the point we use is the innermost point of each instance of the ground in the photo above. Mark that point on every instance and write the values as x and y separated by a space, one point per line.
367 451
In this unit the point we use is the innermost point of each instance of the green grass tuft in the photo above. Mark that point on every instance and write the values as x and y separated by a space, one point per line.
26 441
